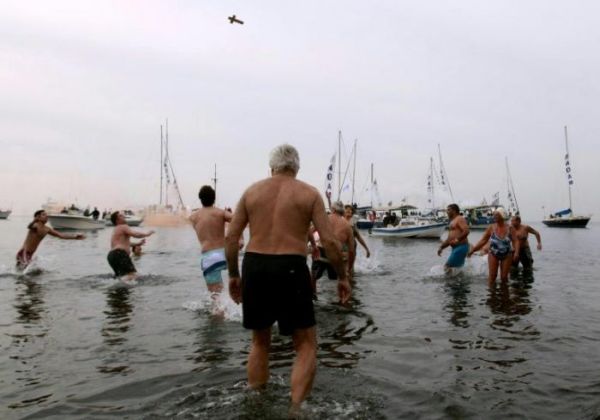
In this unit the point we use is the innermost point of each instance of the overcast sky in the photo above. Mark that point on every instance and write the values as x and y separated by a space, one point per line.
84 87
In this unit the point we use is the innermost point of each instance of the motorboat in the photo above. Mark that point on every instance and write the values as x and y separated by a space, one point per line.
74 221
412 228
4 214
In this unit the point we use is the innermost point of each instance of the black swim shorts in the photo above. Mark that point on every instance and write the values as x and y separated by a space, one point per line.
120 262
276 288
525 258
318 267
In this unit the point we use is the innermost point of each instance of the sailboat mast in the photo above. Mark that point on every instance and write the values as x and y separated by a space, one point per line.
339 164
371 189
511 187
166 160
354 172
569 158
215 178
444 174
431 186
161 164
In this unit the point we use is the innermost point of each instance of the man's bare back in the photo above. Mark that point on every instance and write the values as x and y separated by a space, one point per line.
209 224
279 211
34 237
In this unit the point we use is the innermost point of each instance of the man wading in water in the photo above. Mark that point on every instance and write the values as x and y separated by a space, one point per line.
36 232
458 231
275 282
120 246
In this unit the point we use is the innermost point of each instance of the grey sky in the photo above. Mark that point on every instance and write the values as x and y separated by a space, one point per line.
85 87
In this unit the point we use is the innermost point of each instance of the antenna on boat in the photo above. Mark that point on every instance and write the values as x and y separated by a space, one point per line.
215 178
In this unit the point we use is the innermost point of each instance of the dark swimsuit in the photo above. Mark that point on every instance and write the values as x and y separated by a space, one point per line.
276 288
500 247
120 262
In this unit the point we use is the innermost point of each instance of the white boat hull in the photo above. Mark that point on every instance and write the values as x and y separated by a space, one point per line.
434 230
74 222
4 214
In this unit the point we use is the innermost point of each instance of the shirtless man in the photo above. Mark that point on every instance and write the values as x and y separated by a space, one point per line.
352 219
209 224
342 231
458 231
120 246
522 231
275 284
36 231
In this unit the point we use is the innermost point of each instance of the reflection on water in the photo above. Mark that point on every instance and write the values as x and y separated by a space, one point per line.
29 301
210 345
458 291
114 330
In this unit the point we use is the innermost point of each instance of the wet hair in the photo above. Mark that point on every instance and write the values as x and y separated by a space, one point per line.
517 218
31 225
284 158
207 195
338 207
113 217
349 206
454 207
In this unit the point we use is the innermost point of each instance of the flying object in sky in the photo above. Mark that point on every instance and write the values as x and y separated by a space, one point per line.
233 19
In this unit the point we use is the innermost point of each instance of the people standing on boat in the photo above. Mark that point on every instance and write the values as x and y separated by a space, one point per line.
120 247
522 231
503 247
96 213
358 239
36 231
458 232
275 281
209 224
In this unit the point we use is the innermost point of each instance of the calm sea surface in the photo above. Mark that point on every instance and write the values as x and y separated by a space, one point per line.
75 343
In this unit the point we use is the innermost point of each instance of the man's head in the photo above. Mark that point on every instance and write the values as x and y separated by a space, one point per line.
516 221
207 196
348 211
284 159
136 250
452 210
40 216
338 208
117 218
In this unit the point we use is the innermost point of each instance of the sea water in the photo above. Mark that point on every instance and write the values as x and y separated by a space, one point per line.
412 343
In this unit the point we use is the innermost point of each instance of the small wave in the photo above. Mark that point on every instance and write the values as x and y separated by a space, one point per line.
218 304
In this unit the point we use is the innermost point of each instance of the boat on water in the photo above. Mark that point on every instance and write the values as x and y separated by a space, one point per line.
567 218
412 228
74 221
482 216
4 214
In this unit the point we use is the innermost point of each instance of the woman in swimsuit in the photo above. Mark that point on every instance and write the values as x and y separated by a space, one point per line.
503 247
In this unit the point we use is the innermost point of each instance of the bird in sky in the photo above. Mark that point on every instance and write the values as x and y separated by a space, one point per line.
233 19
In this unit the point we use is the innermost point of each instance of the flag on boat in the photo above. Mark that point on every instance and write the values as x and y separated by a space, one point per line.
329 178
568 169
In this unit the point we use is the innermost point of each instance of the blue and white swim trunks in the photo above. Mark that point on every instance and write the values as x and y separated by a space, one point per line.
212 263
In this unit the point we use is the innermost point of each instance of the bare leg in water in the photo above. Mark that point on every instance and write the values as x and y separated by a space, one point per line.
258 359
305 365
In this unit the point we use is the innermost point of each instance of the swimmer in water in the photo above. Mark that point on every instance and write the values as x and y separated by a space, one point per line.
503 245
36 232
458 231
209 224
120 246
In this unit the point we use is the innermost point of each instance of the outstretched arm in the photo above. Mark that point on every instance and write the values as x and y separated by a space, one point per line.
56 234
361 241
236 228
484 240
537 236
137 234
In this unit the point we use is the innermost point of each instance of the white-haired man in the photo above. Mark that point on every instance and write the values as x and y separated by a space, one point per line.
275 281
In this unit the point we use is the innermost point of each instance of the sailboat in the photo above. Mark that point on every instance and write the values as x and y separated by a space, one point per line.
166 213
567 218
